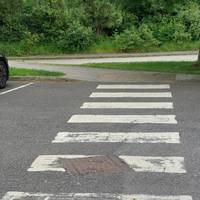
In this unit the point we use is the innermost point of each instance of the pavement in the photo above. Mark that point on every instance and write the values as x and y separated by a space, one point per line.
106 75
76 141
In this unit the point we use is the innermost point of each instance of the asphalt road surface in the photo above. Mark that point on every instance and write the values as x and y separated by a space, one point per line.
100 141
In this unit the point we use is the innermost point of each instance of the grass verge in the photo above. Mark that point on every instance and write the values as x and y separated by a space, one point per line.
166 67
33 72
103 45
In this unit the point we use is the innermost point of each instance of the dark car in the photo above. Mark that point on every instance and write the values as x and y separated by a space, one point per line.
4 71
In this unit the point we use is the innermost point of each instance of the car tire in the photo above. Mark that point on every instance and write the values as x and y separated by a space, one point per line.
3 75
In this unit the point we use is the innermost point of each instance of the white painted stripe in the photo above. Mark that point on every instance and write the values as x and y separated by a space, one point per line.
155 164
127 105
51 162
125 137
90 196
161 86
137 163
20 87
136 119
131 94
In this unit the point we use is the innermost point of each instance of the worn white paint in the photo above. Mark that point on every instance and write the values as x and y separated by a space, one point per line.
90 196
51 162
127 105
131 95
17 88
160 86
136 119
120 137
137 163
155 164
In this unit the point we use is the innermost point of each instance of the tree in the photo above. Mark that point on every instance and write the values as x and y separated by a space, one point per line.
6 9
103 14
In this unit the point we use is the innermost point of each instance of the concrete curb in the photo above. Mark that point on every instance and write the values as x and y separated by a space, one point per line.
187 77
142 77
41 78
114 55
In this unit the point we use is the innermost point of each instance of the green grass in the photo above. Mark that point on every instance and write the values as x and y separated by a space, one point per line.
102 45
33 72
167 67
19 49
107 45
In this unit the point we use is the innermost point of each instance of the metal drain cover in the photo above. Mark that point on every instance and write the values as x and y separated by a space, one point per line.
96 164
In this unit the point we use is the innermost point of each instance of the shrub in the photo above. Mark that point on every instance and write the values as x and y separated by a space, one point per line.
169 29
180 36
102 14
189 14
29 41
13 30
133 38
76 38
129 40
147 35
194 30
44 18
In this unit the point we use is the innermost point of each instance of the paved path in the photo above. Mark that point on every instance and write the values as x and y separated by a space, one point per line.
124 59
107 75
87 141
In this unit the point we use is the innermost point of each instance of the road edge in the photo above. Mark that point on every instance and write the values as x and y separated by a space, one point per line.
158 78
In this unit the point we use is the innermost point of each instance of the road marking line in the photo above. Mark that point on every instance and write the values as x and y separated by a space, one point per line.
131 94
136 163
20 87
127 105
155 164
51 162
90 196
162 86
136 119
125 137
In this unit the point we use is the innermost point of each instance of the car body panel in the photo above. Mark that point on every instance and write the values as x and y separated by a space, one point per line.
5 60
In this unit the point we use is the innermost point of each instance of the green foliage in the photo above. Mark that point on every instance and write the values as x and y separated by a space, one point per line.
103 14
45 19
190 15
134 39
129 40
29 41
33 72
86 25
103 44
166 67
147 36
76 38
12 30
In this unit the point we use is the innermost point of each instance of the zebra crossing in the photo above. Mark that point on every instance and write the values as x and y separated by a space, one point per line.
137 164
89 196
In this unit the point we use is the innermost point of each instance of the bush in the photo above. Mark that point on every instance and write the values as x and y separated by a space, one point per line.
76 38
167 29
194 30
180 37
147 36
133 38
13 30
129 40
190 15
29 41
46 19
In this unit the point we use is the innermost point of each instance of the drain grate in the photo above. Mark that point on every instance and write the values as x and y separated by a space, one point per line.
91 165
